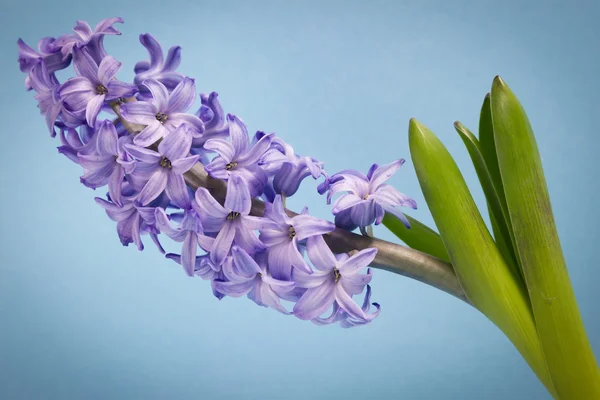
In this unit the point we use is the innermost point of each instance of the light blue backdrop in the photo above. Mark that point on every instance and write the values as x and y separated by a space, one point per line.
83 317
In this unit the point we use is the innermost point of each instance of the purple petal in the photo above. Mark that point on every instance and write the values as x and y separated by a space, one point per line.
194 123
163 223
247 239
360 260
139 112
274 237
244 263
208 205
150 134
176 144
253 155
154 49
188 253
216 169
115 183
107 69
85 65
315 301
118 89
258 223
98 177
234 289
397 213
177 191
142 154
184 164
238 197
384 173
160 94
306 226
355 284
182 97
222 243
346 201
173 59
320 254
223 147
238 134
347 304
106 139
93 109
154 187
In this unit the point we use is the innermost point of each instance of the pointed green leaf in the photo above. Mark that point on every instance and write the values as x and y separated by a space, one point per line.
501 232
482 271
567 350
419 236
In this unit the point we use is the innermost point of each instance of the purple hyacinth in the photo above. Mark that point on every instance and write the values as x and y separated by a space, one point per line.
346 320
92 40
237 158
94 85
158 68
164 169
132 221
190 232
288 168
367 197
76 143
110 163
46 87
334 281
231 220
282 242
49 54
164 112
246 276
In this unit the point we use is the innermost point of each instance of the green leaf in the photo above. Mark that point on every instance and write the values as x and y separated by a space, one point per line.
501 230
481 270
419 236
567 350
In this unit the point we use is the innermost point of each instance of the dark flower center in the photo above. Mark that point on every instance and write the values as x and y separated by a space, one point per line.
160 117
165 163
101 89
366 196
230 166
292 232
336 274
233 215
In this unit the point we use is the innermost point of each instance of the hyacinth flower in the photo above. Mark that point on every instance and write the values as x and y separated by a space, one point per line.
92 39
164 168
232 220
253 246
132 221
367 198
346 320
334 281
110 163
164 112
49 55
94 85
288 168
190 232
252 278
238 158
46 89
282 242
158 68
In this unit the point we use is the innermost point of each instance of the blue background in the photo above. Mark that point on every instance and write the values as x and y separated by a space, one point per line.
83 317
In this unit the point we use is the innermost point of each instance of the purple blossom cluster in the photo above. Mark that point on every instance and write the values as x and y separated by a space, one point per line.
279 256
